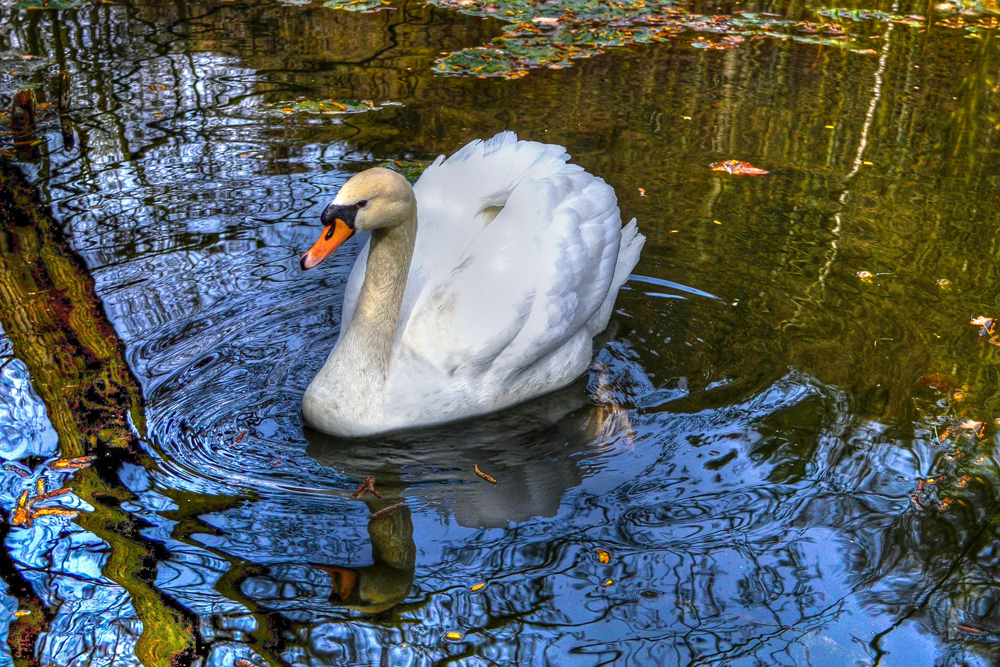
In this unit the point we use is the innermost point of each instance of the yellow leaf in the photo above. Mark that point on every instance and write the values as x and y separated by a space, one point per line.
22 612
608 582
453 635
603 556
478 587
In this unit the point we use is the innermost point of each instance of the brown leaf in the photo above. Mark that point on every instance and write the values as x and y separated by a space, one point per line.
387 511
72 464
979 428
484 475
367 486
737 168
54 511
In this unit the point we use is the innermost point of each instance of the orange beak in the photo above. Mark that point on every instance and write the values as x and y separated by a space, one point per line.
333 237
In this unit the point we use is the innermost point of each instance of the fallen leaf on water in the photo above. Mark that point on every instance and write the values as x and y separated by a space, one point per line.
367 486
608 582
603 556
642 192
945 433
242 662
242 434
866 276
55 511
484 475
988 326
545 20
72 464
979 428
453 635
968 629
387 511
22 612
24 513
737 168
477 587
16 469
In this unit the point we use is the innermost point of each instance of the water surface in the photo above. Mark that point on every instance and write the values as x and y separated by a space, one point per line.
768 449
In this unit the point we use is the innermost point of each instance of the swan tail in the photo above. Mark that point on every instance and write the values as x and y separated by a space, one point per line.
629 249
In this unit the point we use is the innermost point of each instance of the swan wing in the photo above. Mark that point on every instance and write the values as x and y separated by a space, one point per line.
520 295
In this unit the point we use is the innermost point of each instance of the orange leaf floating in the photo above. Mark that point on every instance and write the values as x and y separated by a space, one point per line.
477 587
737 168
24 513
979 428
72 464
603 556
367 486
988 326
484 475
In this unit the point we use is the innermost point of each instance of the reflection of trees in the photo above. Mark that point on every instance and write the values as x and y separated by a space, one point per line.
59 331
922 209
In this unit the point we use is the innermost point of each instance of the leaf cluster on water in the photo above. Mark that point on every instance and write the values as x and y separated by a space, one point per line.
553 33
327 107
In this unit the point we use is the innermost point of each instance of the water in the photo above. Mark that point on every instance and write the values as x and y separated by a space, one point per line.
762 450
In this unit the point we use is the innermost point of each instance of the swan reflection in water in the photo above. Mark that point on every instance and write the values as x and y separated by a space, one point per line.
533 451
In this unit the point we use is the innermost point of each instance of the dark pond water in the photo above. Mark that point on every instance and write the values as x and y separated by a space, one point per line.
769 450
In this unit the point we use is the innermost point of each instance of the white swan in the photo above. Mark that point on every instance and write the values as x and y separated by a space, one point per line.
492 298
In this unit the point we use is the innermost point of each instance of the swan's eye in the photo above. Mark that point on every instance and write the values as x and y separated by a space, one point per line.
362 204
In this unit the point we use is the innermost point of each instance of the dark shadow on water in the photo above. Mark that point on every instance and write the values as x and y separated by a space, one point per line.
532 450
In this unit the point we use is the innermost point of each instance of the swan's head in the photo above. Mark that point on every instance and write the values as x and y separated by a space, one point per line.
374 199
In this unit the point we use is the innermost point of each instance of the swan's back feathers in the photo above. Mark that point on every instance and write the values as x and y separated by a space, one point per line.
503 303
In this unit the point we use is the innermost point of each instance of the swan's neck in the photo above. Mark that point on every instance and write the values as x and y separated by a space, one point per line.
368 338
348 394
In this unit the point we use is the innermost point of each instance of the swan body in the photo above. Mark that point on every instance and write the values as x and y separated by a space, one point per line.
481 286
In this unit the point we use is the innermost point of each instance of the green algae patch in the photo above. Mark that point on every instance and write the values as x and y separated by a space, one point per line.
303 105
357 5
